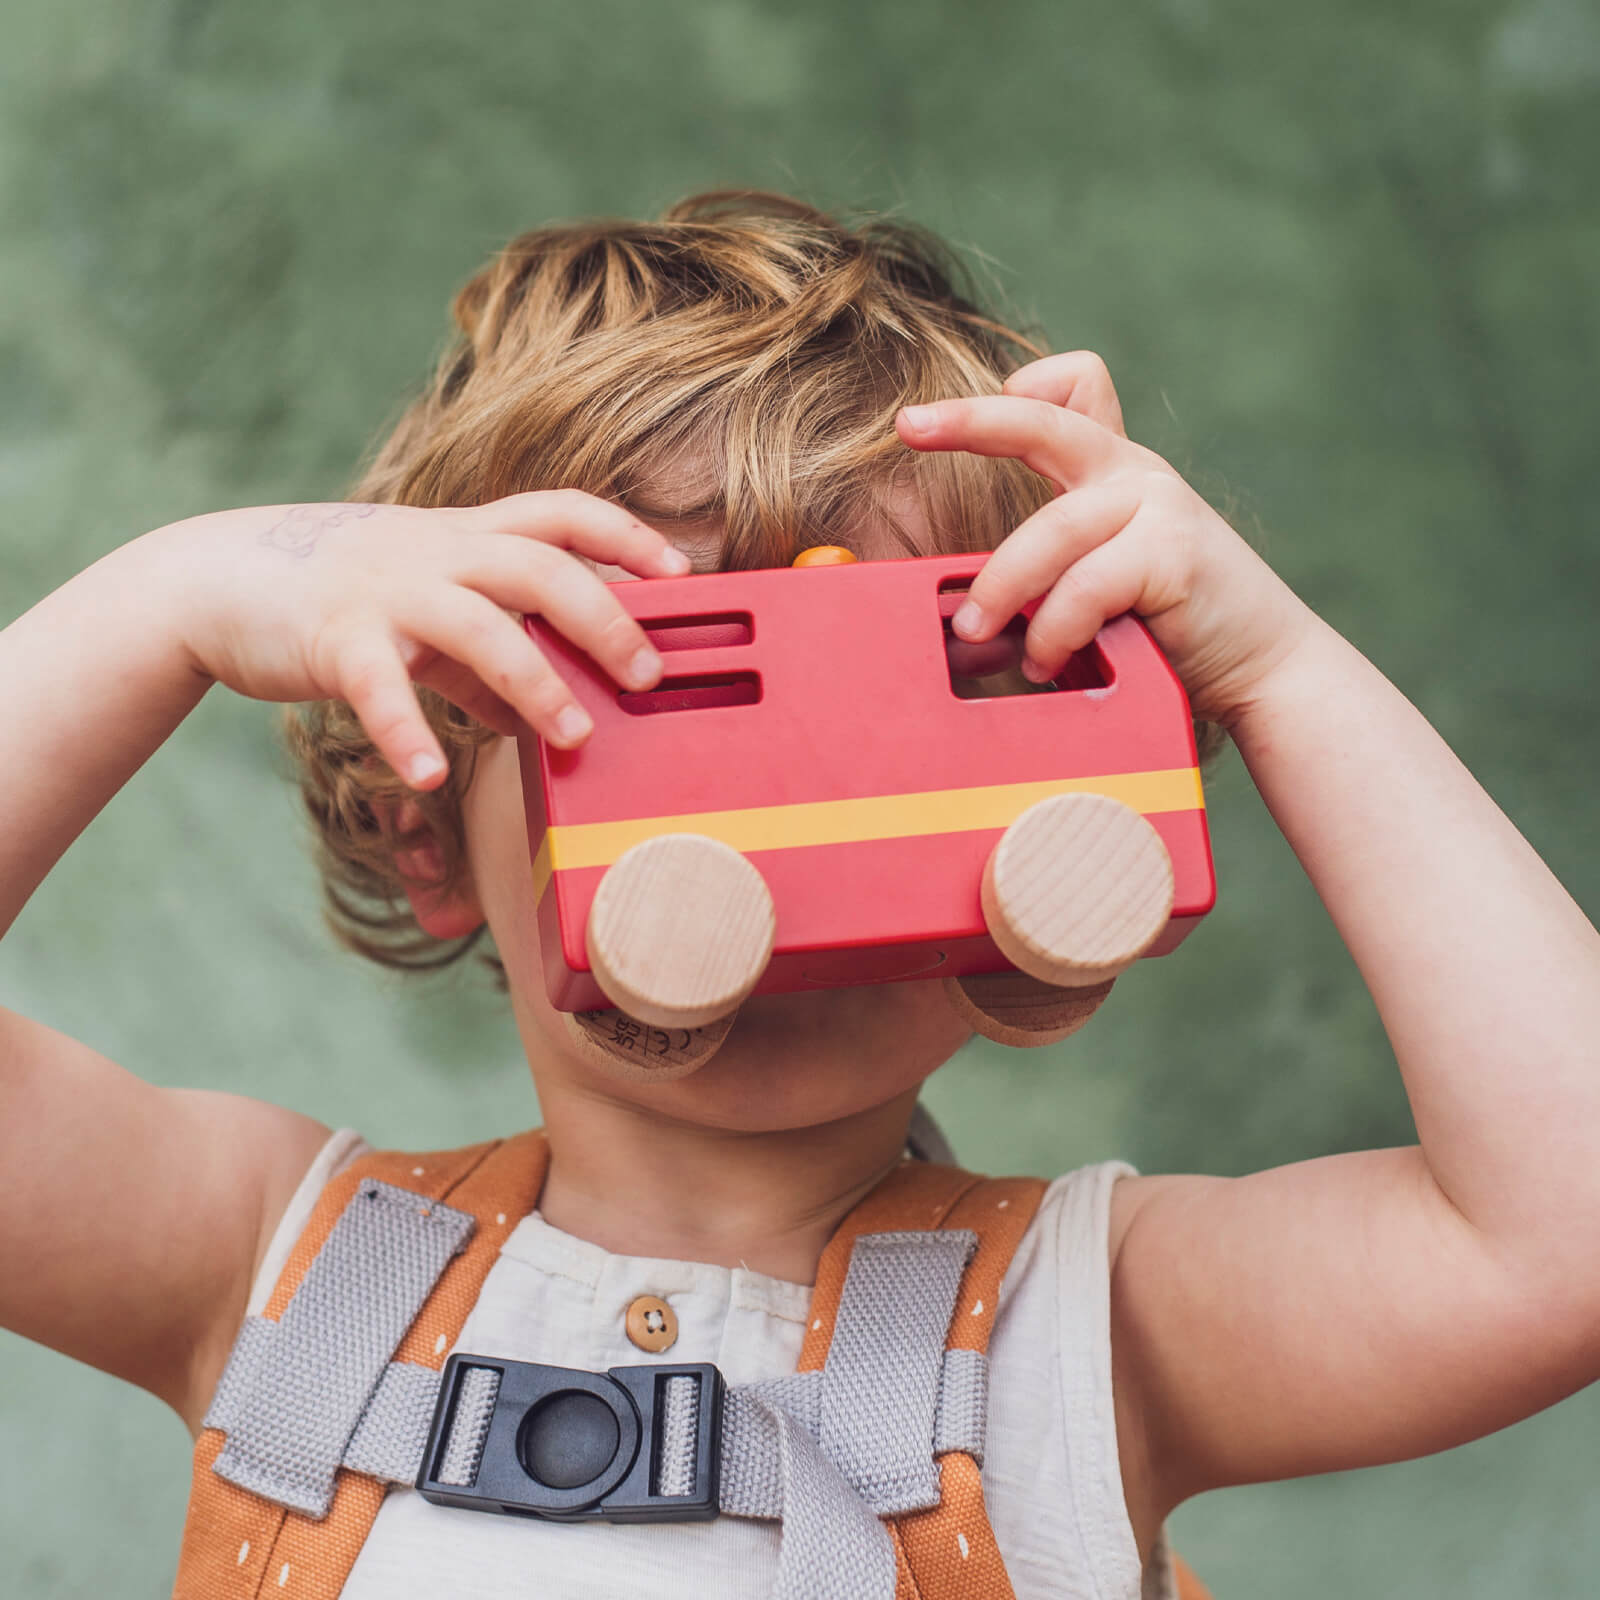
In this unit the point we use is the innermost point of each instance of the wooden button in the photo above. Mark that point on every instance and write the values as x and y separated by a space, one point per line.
652 1324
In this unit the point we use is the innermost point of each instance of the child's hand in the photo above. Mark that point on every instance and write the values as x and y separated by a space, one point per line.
1374 1305
357 602
1126 534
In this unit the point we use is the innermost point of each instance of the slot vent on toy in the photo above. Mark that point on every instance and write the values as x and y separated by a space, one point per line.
717 632
703 693
993 669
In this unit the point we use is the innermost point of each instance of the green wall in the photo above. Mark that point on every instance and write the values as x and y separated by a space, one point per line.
1340 258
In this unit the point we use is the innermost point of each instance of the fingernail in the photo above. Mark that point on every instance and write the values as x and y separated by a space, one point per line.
422 767
643 669
968 620
573 724
675 562
918 418
1033 672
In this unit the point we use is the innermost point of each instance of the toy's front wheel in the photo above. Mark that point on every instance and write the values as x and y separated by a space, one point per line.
1077 889
680 930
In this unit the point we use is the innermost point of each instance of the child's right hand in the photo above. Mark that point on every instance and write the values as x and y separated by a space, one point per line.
358 602
136 1215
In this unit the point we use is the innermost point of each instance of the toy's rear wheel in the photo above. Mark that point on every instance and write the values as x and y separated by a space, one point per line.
1077 889
1012 1008
680 930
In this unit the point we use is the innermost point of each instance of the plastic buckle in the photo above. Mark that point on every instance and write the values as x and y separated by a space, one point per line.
577 1446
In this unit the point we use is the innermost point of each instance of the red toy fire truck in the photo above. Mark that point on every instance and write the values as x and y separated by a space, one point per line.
810 721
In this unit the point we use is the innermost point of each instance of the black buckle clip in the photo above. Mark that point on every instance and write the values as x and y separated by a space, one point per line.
577 1446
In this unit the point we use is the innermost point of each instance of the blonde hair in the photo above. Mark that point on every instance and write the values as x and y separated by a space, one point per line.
737 363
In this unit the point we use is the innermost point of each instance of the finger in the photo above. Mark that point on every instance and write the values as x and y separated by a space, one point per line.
1000 654
1112 579
1061 445
461 687
1038 551
473 630
1076 379
368 674
596 528
543 580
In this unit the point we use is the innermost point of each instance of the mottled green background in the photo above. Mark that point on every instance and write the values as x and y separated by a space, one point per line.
1341 259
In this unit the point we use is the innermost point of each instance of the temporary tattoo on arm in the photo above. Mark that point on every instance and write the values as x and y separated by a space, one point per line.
299 529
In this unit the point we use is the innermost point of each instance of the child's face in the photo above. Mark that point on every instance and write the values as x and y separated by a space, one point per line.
791 1060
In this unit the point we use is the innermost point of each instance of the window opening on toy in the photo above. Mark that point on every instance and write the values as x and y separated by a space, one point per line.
715 632
703 693
993 669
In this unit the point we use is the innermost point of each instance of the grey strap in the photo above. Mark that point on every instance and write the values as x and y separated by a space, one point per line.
832 1544
292 1396
256 1336
913 1399
962 1421
751 1484
392 1435
678 1437
752 1478
925 1138
830 1452
882 1391
464 1449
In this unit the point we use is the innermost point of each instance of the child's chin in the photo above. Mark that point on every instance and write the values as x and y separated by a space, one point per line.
816 1014
800 1060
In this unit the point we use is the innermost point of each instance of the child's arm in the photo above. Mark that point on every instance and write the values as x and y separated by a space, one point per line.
1359 1308
134 1216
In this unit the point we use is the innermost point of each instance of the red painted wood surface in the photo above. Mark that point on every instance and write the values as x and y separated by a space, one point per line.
831 683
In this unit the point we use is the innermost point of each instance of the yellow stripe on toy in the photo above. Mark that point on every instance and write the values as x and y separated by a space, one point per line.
541 868
887 816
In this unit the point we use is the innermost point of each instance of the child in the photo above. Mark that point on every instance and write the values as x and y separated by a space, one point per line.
721 389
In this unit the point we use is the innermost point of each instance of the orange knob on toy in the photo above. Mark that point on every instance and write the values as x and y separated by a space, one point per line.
824 555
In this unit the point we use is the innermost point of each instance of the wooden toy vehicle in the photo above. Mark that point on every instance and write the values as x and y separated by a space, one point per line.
808 800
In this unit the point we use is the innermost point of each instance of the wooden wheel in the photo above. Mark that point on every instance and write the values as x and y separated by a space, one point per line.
1012 1008
628 1048
680 931
1077 889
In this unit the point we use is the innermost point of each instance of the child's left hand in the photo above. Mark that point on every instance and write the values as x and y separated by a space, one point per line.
1126 534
